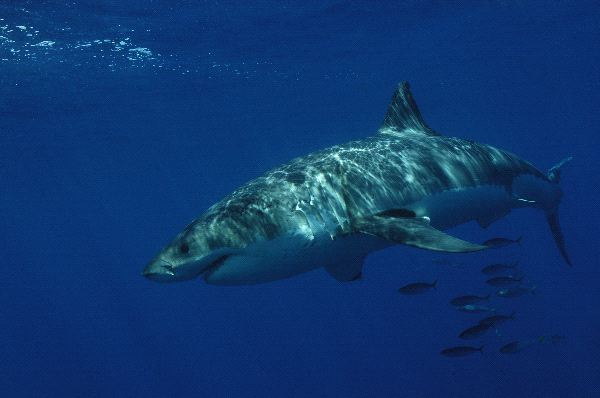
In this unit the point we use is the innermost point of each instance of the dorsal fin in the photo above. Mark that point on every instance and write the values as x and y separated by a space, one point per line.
403 114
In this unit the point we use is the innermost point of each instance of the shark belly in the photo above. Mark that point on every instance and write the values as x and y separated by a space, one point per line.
291 255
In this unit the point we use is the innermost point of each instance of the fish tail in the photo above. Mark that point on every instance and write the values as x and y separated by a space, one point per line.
557 338
480 349
519 239
541 339
512 315
434 284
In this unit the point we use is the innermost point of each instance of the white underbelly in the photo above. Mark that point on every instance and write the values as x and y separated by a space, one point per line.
291 255
446 209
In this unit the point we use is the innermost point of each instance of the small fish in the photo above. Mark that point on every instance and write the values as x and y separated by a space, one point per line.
465 300
504 280
517 346
496 320
496 243
557 338
417 288
475 309
475 331
498 268
449 262
512 348
517 291
460 351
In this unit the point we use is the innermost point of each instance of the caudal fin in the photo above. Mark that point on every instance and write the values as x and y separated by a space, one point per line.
554 172
553 221
554 224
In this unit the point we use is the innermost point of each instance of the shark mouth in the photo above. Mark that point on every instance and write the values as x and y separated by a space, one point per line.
214 265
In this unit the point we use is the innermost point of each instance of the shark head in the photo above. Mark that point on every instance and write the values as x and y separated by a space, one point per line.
222 246
192 253
237 243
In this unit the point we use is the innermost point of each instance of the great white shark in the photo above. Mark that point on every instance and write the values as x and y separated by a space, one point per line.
331 208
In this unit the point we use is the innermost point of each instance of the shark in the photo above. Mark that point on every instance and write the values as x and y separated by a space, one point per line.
406 185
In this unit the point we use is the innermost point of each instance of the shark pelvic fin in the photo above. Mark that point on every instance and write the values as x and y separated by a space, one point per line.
414 232
403 114
489 219
347 271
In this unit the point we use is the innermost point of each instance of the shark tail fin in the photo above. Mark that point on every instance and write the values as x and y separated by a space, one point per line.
554 172
553 220
559 238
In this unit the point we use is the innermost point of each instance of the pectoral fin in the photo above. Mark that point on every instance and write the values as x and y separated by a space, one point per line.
488 219
413 232
347 271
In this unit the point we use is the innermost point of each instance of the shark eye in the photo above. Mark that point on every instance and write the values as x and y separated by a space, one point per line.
184 248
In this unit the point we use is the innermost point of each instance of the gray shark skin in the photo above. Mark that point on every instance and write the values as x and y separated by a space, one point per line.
333 207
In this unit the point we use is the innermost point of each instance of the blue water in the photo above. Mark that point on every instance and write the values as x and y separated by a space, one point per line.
121 121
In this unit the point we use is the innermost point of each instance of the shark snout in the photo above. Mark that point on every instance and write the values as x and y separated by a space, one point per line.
160 271
167 270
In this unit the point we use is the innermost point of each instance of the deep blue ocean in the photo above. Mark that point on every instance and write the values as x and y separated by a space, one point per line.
122 121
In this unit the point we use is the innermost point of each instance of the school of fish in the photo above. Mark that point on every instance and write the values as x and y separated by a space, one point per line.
508 281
